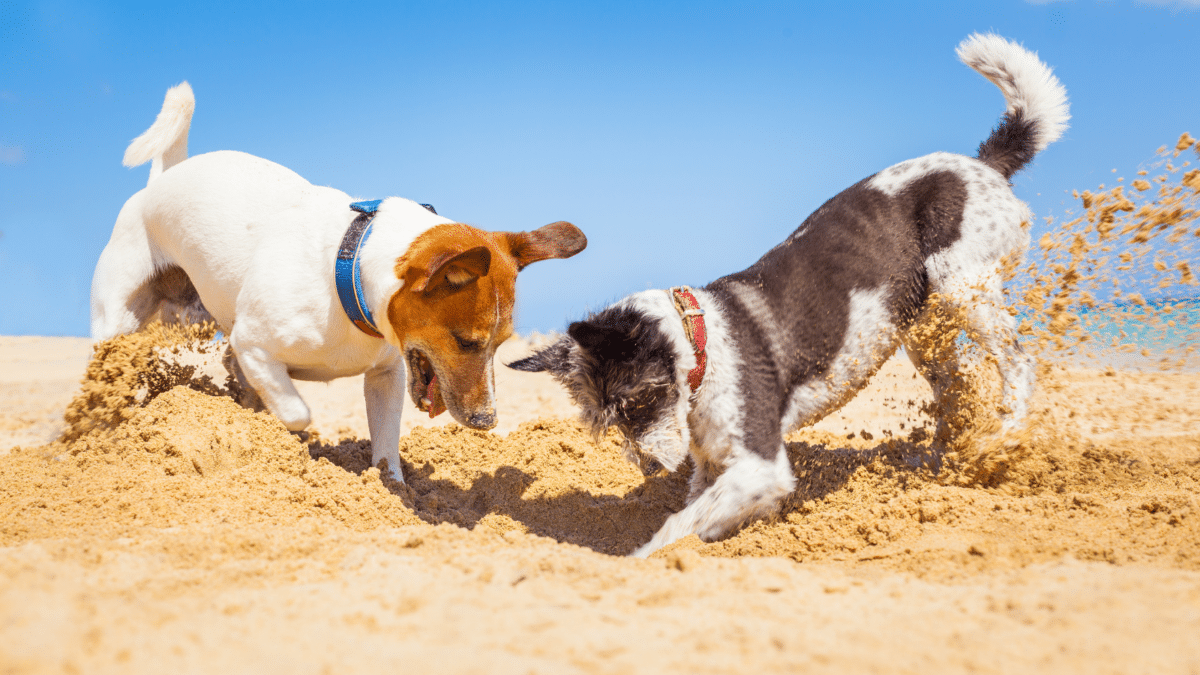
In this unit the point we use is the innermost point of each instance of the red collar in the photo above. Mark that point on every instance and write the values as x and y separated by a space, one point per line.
693 327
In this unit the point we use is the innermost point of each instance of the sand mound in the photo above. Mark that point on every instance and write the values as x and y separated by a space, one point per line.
153 444
129 371
184 459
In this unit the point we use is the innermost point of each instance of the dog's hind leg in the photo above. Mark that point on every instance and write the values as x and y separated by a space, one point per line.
751 487
123 295
994 329
932 345
271 381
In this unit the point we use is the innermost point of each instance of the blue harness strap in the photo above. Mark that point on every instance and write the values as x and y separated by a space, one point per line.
348 276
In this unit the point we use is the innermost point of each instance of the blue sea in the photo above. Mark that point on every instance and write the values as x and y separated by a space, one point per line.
1162 333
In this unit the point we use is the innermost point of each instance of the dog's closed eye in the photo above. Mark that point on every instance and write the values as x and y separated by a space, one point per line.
642 407
468 345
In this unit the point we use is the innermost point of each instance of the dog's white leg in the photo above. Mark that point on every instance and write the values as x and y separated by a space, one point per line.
995 330
270 379
122 297
384 391
751 487
704 472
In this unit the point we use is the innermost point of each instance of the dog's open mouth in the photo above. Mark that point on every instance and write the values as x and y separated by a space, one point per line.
426 393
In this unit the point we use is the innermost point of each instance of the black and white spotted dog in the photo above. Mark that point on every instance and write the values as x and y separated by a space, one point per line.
782 344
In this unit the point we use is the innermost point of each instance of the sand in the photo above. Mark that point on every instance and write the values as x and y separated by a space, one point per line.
196 535
150 523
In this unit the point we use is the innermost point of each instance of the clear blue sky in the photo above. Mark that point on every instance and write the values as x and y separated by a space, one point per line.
685 139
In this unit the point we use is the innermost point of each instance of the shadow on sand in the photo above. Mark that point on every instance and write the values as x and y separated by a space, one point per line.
552 498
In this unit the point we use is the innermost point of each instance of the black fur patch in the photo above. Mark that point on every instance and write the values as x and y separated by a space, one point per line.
787 314
1011 145
860 239
621 374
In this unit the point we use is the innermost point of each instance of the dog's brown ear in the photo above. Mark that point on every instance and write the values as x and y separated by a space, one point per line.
453 271
556 240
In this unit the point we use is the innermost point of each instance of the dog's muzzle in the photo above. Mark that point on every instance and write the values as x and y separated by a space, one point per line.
636 456
482 421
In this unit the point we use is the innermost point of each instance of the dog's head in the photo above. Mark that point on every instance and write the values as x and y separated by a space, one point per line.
622 369
455 307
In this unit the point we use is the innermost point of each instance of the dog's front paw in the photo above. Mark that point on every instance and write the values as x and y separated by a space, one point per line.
397 474
388 473
294 414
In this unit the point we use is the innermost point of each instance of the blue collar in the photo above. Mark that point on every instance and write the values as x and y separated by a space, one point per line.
347 274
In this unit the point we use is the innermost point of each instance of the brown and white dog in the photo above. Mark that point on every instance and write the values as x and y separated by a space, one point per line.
259 246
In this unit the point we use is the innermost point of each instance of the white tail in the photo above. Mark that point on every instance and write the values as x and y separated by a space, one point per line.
1028 85
165 141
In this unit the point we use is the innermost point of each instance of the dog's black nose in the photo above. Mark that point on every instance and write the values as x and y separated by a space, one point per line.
482 421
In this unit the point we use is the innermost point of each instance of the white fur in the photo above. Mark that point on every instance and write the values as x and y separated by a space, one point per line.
750 487
165 141
871 338
1028 84
259 243
668 442
730 484
716 417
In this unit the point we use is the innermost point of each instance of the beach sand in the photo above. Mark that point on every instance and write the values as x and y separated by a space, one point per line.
192 535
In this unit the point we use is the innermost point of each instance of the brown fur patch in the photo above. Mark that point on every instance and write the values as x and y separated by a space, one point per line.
442 304
457 301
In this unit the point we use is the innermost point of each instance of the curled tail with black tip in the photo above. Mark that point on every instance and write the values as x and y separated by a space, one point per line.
1038 111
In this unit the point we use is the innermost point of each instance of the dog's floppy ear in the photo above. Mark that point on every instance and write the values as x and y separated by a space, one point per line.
605 342
588 335
556 240
555 359
453 271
